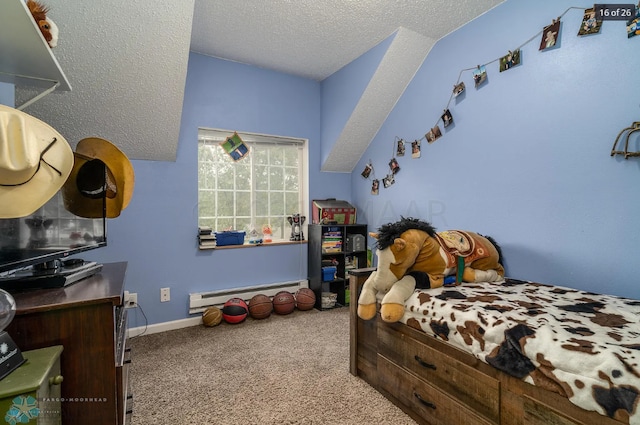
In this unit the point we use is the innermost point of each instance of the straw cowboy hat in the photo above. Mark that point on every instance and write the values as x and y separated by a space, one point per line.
35 161
102 178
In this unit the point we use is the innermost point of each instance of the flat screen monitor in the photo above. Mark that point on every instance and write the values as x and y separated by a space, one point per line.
34 250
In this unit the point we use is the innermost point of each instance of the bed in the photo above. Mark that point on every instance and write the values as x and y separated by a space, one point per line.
510 352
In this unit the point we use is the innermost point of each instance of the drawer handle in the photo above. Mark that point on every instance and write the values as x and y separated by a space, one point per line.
423 401
424 364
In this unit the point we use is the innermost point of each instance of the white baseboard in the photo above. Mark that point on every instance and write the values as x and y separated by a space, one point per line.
165 326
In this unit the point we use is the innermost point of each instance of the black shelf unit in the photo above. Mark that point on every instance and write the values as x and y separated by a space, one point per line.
343 259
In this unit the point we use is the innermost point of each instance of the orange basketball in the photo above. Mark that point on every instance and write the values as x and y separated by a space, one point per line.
260 306
305 299
284 302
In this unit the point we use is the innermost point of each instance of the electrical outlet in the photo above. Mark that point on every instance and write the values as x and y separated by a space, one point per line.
130 299
165 295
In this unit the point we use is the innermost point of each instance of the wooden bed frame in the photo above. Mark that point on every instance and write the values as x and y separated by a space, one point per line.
438 384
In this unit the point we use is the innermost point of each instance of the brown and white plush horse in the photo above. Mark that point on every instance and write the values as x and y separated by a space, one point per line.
410 252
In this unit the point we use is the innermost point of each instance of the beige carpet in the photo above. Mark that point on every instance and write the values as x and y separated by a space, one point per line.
291 369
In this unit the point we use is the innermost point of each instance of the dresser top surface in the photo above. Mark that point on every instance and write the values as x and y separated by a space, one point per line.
106 286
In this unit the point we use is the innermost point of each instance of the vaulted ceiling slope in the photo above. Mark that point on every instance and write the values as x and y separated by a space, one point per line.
126 60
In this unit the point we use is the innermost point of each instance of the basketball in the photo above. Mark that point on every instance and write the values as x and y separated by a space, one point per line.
212 316
284 302
305 299
260 306
235 310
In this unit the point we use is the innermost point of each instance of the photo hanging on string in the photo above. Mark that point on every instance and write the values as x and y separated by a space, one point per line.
447 118
633 25
375 187
479 75
433 134
590 25
550 35
367 171
388 180
415 149
458 89
400 148
510 60
394 166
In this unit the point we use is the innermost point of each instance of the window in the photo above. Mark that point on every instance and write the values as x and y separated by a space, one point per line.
263 188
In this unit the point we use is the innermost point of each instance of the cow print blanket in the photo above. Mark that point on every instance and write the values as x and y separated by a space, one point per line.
582 345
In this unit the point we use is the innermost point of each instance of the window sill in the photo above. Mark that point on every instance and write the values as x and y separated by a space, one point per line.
253 245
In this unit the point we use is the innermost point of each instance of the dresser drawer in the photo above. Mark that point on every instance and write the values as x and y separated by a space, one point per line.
480 392
536 413
430 403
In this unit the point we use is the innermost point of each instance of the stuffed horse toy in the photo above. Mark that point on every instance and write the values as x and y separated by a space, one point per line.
411 253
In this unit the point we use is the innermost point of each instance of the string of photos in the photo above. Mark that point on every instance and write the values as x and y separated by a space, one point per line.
591 24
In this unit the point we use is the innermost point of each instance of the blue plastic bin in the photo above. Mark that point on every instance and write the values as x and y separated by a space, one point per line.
328 274
230 237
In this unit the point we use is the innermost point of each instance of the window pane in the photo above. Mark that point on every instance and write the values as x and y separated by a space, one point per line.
291 180
206 203
277 203
291 203
243 204
276 155
243 177
225 203
291 157
262 177
225 223
226 180
262 203
276 178
260 155
205 152
211 222
243 224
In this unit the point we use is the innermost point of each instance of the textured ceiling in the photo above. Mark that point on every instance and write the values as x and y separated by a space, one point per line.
315 38
126 60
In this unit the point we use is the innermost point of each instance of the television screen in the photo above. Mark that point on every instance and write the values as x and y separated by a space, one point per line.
47 237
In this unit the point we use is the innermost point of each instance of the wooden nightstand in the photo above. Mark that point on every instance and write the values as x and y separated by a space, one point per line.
31 393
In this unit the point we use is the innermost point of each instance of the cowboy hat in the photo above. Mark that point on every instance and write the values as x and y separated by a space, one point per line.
101 181
35 161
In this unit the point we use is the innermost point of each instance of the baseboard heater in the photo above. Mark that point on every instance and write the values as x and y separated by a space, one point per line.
200 301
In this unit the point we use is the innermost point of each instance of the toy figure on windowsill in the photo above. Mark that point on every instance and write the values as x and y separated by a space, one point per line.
266 233
296 221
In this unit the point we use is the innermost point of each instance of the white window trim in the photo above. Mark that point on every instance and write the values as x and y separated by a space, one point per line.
204 133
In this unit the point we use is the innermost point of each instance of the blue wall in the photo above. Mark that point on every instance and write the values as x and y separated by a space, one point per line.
156 234
528 157
342 91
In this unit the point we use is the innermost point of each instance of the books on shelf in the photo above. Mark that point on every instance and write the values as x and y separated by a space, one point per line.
332 240
204 230
206 239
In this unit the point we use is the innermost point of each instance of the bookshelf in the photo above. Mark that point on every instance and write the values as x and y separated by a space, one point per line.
339 246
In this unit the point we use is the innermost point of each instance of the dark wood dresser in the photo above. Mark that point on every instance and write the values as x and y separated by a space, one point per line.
88 319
